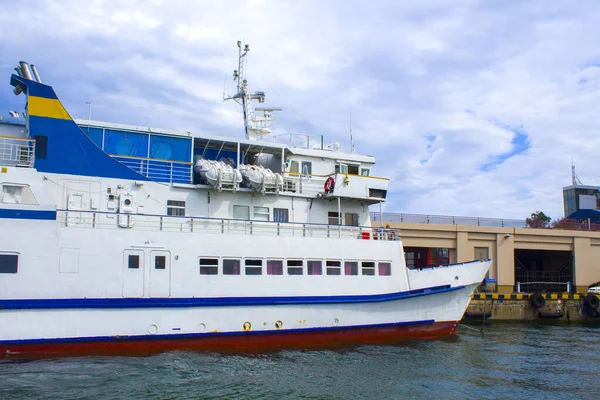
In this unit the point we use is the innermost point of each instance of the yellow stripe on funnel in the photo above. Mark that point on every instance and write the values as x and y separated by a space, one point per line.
50 108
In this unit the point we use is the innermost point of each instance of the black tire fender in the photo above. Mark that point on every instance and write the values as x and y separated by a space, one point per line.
592 301
537 300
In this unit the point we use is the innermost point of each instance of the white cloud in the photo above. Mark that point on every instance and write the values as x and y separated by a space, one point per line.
465 74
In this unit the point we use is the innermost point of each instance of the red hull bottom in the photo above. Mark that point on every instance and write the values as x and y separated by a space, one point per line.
238 343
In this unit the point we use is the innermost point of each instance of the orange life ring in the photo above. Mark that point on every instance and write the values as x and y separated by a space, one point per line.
329 184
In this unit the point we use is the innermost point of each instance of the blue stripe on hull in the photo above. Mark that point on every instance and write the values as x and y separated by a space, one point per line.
49 215
16 304
209 334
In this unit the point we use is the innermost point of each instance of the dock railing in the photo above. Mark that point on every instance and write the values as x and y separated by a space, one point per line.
447 220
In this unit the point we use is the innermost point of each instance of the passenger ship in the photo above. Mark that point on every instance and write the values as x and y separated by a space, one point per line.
121 239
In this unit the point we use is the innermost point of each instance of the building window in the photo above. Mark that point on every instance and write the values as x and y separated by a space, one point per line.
253 267
385 268
351 219
306 168
274 267
261 213
176 208
9 263
209 266
160 262
295 267
281 215
231 267
314 267
333 218
368 268
351 268
241 212
133 261
333 267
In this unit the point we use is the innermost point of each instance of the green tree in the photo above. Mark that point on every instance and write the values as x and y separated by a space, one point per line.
538 220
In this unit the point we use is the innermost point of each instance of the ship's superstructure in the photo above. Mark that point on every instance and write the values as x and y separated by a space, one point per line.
120 238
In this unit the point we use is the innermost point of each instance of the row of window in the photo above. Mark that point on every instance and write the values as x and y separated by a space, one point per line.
258 266
177 208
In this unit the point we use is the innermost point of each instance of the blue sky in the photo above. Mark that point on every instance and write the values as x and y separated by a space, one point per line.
471 107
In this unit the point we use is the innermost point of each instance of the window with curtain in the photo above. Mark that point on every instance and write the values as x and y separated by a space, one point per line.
281 215
253 266
314 267
231 266
274 267
351 268
385 268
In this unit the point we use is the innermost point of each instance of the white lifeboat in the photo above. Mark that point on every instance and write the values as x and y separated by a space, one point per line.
261 179
218 174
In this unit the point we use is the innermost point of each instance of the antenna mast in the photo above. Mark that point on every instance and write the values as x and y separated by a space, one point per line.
576 181
254 126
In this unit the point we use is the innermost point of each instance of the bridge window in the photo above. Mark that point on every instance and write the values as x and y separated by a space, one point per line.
261 213
351 268
385 268
306 168
333 267
274 267
294 167
365 171
353 169
341 169
176 208
368 268
231 267
295 267
9 263
241 212
253 267
209 266
314 267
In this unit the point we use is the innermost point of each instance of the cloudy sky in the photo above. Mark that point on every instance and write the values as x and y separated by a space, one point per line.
471 107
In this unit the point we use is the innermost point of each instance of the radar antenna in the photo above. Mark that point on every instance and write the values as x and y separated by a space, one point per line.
255 126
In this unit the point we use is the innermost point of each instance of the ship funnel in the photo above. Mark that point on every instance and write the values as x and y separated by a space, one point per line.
18 69
25 70
35 74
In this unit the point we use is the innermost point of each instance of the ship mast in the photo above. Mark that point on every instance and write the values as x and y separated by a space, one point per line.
254 126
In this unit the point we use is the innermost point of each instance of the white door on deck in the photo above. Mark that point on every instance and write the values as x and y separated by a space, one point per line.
76 201
133 273
160 273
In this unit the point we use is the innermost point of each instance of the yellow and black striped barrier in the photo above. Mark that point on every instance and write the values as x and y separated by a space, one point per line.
525 296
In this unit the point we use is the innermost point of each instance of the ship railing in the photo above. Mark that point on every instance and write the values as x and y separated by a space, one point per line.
220 226
16 151
159 170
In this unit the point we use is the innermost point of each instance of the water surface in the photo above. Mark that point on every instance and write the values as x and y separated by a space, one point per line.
508 361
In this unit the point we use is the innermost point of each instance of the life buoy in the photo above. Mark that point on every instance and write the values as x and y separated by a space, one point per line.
329 184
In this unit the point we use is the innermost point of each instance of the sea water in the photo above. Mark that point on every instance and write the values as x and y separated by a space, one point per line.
507 361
